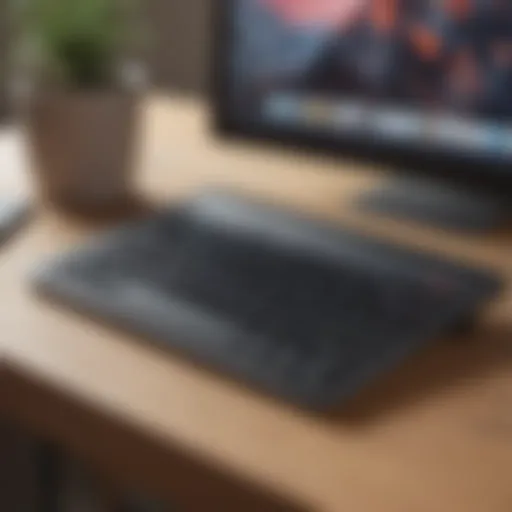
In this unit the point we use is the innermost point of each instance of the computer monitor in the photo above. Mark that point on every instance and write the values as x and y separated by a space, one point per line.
424 85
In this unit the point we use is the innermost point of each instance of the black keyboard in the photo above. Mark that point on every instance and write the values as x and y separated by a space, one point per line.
300 308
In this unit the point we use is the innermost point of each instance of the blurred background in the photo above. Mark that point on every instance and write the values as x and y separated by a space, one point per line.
37 477
176 55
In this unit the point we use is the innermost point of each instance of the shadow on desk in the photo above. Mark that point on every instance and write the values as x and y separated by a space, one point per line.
452 366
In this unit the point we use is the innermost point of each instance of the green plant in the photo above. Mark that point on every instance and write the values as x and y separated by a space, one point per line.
76 42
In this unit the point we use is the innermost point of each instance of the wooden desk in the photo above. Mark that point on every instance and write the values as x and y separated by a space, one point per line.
434 436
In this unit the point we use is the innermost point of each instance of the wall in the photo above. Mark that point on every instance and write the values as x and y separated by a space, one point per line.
3 56
181 42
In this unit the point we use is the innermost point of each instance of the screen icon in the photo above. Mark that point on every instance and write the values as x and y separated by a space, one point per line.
396 124
282 108
350 115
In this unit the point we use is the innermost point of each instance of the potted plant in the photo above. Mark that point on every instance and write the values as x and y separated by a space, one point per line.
81 100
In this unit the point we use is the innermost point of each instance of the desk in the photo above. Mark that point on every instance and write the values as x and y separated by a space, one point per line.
434 436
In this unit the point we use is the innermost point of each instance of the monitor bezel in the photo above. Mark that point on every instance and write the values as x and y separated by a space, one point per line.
486 173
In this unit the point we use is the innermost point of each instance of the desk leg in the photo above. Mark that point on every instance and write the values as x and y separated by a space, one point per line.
48 464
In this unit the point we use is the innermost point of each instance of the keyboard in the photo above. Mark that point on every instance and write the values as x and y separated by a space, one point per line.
297 307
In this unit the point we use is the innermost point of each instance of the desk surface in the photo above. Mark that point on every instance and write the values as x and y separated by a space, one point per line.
434 436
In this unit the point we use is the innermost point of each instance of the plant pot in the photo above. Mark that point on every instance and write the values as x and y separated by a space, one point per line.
83 147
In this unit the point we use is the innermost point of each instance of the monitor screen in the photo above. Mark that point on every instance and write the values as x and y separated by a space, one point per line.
435 75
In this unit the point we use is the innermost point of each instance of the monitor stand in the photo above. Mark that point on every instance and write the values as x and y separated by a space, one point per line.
441 205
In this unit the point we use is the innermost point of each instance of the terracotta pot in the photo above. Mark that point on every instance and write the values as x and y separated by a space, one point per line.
82 148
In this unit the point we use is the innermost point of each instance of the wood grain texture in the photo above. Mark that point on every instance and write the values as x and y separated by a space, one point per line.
435 435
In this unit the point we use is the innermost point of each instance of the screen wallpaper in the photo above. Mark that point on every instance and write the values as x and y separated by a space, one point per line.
438 70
